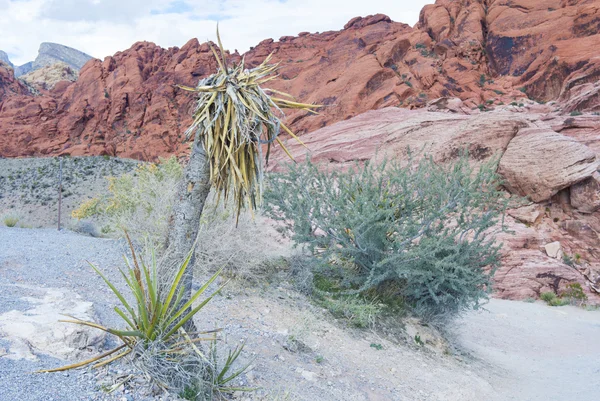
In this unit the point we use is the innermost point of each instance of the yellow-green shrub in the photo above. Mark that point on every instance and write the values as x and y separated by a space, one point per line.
141 201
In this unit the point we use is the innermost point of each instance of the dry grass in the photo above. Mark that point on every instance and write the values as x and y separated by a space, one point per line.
248 251
11 221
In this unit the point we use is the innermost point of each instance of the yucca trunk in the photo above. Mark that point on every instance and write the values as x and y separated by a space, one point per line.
184 222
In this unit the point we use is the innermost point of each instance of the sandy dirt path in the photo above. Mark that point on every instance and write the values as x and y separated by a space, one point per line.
533 352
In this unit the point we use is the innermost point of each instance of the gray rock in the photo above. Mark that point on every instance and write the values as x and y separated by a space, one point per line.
51 53
4 58
23 69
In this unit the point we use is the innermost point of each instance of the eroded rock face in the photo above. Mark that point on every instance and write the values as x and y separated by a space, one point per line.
393 132
10 88
483 53
585 195
539 162
37 330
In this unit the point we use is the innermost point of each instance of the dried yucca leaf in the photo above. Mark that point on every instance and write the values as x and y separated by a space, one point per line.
234 117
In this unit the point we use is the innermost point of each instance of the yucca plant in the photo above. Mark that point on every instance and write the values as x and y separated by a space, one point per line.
234 118
154 320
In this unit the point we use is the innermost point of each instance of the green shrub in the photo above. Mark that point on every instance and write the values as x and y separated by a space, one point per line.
417 234
547 296
11 221
482 80
576 113
559 301
574 292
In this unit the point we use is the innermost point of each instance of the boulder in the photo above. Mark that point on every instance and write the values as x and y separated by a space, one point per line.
554 250
538 163
585 195
37 330
527 214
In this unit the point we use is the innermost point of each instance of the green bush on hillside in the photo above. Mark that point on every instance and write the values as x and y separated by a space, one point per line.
419 236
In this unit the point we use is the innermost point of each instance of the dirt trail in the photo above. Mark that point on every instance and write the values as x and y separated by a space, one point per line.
533 352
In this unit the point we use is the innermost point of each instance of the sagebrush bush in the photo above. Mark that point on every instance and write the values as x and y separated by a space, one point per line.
420 236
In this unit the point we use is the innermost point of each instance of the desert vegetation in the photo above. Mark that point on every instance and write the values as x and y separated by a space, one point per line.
415 238
418 237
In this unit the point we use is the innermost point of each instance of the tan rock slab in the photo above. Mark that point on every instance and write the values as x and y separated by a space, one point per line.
538 163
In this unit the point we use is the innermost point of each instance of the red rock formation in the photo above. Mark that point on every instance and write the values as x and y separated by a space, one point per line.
483 52
9 85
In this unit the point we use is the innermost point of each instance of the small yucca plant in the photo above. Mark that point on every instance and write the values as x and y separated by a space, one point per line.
154 318
234 118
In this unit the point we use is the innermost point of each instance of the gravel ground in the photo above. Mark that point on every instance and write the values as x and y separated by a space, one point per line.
51 259
514 351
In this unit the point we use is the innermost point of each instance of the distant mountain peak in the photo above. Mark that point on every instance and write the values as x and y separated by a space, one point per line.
4 58
51 53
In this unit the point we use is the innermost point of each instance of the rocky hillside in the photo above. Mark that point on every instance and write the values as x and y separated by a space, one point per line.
485 53
47 77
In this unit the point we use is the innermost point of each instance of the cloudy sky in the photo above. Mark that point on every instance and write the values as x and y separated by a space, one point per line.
103 27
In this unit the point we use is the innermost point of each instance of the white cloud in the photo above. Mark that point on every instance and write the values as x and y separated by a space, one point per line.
103 27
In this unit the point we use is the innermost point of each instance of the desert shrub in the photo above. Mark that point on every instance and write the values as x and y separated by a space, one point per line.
553 300
85 227
576 113
547 296
141 201
574 293
420 235
10 221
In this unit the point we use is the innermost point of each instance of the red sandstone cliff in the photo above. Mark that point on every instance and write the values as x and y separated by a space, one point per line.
484 52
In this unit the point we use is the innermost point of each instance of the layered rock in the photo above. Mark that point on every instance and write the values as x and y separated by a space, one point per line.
52 53
539 163
585 196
